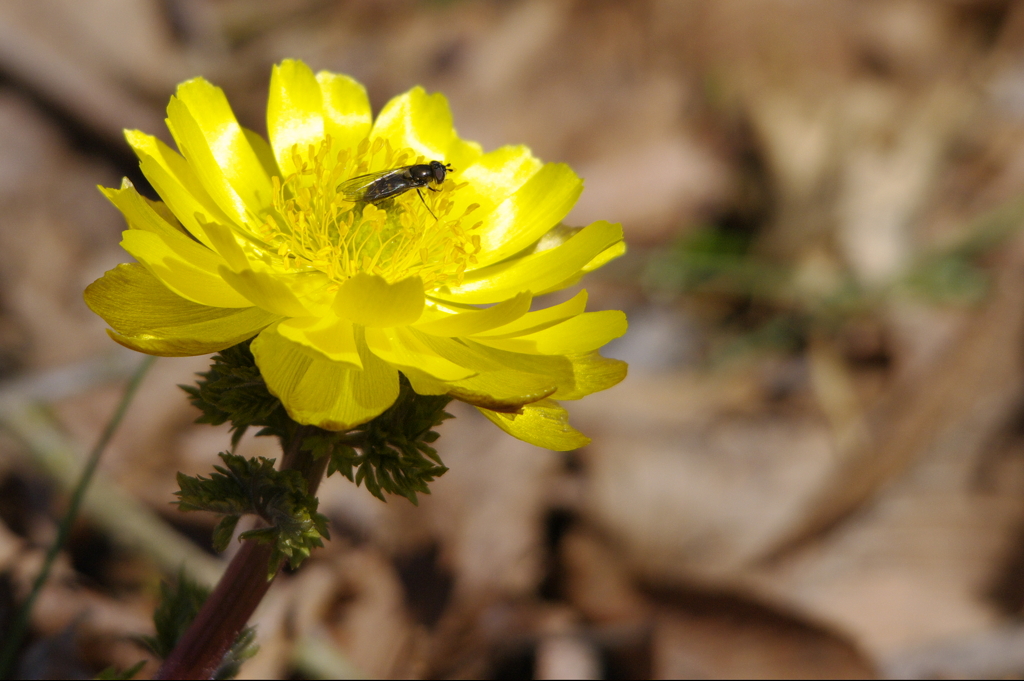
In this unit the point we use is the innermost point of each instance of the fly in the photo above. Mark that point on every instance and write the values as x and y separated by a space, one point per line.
385 184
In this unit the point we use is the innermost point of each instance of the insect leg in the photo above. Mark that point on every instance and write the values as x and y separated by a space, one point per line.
425 202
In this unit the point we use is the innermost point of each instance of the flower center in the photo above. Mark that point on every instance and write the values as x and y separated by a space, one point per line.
313 225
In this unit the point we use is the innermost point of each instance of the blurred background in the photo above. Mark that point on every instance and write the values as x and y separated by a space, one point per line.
816 465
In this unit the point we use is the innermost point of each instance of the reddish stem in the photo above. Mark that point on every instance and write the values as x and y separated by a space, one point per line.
241 588
200 651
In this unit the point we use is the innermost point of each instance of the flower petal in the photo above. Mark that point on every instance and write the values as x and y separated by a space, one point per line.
294 112
494 177
544 423
177 185
496 386
332 337
142 214
504 391
264 154
400 348
265 289
346 109
459 352
471 322
226 242
583 333
148 317
540 319
524 217
290 294
423 123
209 136
321 393
369 300
186 267
576 376
462 152
593 373
534 272
605 256
423 383
190 275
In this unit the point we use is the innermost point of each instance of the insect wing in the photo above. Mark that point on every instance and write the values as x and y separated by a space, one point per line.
376 186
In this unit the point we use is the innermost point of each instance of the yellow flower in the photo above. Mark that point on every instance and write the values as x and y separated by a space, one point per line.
256 239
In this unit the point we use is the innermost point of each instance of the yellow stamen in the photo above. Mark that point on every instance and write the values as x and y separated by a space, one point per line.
312 225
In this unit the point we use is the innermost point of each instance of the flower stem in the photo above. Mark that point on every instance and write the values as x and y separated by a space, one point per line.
297 459
20 625
200 651
214 630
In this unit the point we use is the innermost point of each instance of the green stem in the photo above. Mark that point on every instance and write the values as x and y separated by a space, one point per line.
12 642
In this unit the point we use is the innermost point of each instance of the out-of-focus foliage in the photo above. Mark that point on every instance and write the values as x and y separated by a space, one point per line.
253 486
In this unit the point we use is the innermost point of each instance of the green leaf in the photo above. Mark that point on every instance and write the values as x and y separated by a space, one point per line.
114 673
178 607
254 486
243 649
223 532
233 390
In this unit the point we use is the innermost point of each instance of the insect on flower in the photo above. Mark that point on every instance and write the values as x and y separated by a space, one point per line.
385 184
380 296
